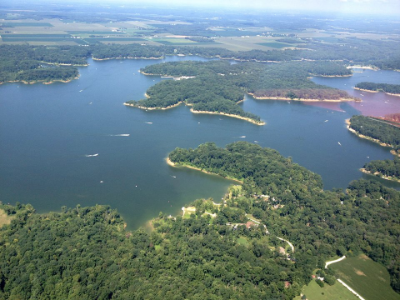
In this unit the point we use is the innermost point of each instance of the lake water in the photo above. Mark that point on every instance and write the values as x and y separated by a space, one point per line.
48 132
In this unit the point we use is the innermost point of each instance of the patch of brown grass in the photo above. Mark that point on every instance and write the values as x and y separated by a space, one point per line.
4 218
360 273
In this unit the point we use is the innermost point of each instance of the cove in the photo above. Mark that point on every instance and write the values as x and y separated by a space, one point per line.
49 135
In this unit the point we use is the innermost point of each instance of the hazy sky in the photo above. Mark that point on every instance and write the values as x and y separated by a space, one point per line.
343 6
391 7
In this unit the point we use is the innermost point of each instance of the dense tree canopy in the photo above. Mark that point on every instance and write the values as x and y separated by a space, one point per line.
377 129
384 87
319 223
388 168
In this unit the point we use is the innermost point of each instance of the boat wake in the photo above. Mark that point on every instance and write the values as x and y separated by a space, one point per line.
121 134
92 155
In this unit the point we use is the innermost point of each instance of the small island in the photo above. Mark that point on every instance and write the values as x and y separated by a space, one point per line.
390 89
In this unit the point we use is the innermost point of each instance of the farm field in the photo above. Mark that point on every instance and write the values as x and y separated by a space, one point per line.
368 278
25 24
276 45
337 291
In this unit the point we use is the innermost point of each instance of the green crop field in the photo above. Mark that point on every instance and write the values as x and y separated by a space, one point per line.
113 39
94 32
35 37
337 291
276 45
25 24
173 41
368 278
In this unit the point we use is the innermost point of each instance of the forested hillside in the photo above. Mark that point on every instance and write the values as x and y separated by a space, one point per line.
319 223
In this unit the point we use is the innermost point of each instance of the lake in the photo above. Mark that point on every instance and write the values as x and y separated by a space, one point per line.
50 135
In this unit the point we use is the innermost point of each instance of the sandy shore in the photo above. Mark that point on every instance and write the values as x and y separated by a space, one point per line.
371 91
395 153
41 81
363 67
129 57
366 137
228 115
153 108
364 90
391 178
397 95
172 164
332 76
305 100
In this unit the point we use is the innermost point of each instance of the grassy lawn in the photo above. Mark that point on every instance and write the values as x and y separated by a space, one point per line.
368 278
243 241
337 291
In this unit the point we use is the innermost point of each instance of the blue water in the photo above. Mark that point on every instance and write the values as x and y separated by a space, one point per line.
46 131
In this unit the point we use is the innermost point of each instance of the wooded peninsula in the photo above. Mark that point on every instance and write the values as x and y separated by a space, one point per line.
391 89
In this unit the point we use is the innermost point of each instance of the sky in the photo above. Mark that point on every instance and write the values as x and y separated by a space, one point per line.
373 7
337 6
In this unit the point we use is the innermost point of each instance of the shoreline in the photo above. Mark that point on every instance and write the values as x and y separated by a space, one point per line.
394 153
175 165
260 123
305 100
153 108
63 64
380 175
128 57
164 76
332 76
373 91
366 137
41 81
370 67
364 90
